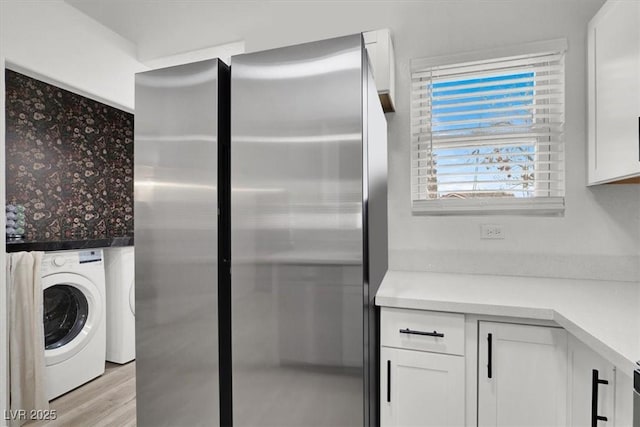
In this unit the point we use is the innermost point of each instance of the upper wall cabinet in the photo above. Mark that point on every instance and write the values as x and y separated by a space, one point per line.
380 48
614 93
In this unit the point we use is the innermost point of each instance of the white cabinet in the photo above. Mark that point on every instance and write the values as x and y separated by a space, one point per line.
614 93
611 388
446 369
584 386
382 58
522 375
422 368
421 388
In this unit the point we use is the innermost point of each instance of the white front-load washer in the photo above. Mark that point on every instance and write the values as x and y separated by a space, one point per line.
73 284
121 312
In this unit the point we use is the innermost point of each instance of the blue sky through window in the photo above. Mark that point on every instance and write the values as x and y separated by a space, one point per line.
483 106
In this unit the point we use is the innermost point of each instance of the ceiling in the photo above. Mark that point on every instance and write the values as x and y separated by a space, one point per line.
161 28
165 27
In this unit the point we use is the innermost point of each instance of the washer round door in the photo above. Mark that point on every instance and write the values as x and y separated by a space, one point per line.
72 314
132 296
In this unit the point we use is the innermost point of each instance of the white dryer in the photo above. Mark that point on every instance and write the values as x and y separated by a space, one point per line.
73 284
121 311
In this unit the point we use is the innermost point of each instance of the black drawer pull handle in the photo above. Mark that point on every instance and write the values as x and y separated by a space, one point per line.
595 382
426 334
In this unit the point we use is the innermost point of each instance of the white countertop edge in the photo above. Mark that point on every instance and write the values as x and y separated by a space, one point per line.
624 364
467 308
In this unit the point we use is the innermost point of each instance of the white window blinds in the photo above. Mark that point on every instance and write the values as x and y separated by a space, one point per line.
488 134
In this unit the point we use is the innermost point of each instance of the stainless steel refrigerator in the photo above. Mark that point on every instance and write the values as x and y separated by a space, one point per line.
308 235
181 238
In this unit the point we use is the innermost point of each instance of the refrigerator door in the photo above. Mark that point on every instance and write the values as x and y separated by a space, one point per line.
298 302
178 134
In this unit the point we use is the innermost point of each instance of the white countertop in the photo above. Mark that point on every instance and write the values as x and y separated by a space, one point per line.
605 315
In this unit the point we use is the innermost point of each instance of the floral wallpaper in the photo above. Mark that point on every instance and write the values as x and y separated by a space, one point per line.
69 162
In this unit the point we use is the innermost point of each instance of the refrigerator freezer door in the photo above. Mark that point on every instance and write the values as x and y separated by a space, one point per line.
176 206
298 305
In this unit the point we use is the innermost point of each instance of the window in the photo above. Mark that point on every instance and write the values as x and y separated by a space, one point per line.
487 135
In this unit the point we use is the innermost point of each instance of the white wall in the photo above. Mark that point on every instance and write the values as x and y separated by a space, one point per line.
55 40
599 236
52 40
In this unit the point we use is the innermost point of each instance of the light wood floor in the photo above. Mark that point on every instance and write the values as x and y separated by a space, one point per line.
109 400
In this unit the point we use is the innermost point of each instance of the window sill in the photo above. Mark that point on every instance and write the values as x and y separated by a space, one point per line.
550 206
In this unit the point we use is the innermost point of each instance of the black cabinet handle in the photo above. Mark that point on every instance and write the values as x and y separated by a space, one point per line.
388 380
595 382
426 334
490 355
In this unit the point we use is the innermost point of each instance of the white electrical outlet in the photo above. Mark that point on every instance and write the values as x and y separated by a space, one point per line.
491 231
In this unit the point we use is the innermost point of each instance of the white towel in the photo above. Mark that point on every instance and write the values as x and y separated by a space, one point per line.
26 333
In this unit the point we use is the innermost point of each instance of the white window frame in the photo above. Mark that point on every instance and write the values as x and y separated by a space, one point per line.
542 206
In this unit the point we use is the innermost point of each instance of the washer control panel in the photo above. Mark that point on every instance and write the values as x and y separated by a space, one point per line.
70 260
86 257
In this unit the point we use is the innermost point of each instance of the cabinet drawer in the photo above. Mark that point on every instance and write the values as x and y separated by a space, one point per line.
422 330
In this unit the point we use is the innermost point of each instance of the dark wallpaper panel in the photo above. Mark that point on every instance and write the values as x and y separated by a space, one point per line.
69 162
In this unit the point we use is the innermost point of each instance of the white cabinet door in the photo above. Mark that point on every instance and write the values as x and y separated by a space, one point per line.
614 92
522 375
421 389
582 362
